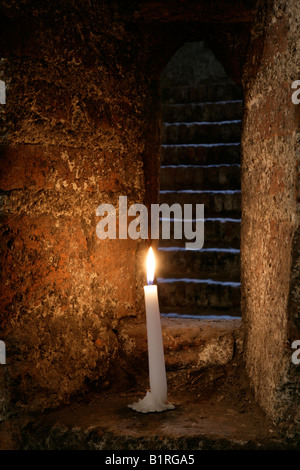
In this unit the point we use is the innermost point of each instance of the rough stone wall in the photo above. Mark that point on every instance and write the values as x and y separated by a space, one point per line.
270 208
80 128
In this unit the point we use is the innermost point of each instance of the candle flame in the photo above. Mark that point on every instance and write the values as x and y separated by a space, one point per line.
150 266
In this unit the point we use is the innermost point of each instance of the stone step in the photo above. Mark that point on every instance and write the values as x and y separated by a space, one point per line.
201 313
225 203
200 165
213 111
201 93
218 233
226 176
216 263
198 296
201 154
201 132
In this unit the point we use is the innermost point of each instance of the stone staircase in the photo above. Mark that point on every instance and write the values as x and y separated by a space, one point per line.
200 164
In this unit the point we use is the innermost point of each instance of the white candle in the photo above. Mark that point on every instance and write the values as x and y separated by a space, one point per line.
156 399
157 370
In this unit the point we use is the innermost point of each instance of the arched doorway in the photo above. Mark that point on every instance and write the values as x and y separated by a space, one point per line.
200 164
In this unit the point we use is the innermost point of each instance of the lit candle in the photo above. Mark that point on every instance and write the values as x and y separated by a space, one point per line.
156 399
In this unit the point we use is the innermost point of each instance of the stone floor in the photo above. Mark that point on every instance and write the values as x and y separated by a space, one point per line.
106 423
214 405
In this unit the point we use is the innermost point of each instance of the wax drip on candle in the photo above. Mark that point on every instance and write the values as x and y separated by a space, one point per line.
151 404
